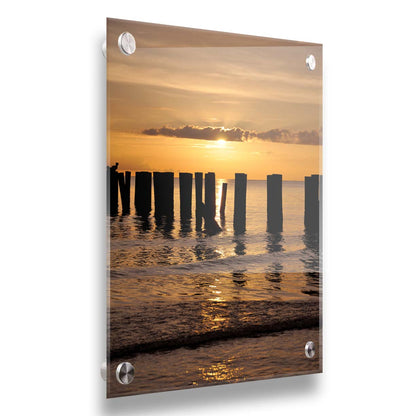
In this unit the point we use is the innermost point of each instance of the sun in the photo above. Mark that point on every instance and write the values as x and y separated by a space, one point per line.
221 143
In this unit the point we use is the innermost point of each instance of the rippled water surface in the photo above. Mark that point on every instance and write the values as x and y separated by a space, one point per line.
169 281
243 359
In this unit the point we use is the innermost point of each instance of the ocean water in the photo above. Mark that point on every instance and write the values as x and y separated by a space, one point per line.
173 288
240 359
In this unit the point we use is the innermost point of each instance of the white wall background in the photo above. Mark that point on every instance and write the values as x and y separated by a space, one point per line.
52 137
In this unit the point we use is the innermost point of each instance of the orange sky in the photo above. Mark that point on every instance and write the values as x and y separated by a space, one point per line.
248 109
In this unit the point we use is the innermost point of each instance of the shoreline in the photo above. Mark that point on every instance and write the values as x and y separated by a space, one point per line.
289 315
273 355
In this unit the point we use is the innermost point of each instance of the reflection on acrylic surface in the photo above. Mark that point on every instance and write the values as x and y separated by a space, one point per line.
213 209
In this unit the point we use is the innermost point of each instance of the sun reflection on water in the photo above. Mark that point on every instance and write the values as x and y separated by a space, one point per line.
213 315
221 371
216 292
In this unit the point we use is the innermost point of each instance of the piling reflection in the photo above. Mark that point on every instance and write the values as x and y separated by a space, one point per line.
313 284
240 244
275 277
274 242
186 227
311 262
204 252
124 231
164 224
311 241
239 278
274 270
142 224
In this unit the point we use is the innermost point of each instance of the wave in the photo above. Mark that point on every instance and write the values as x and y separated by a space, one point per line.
280 316
251 263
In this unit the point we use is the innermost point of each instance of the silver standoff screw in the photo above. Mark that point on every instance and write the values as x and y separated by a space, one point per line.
103 370
104 48
125 373
310 62
310 349
127 43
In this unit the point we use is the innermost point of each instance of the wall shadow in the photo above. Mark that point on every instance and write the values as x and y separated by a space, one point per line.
251 393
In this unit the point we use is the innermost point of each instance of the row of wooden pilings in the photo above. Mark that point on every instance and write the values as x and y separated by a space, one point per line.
205 209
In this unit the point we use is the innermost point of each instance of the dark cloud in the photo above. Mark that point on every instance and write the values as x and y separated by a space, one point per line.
203 133
311 137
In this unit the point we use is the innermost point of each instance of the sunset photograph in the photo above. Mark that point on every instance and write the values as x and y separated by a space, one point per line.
214 178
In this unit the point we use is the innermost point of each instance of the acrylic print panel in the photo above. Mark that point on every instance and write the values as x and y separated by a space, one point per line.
214 164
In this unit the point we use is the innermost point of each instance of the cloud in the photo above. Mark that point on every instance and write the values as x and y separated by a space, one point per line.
236 134
204 133
311 137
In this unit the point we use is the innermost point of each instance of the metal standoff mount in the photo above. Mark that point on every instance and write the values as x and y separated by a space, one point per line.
310 349
104 48
127 43
103 370
125 373
310 62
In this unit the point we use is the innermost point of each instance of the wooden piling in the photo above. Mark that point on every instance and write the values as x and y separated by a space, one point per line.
211 226
274 203
312 201
198 200
223 199
240 193
163 192
210 205
307 200
124 180
185 193
143 193
113 190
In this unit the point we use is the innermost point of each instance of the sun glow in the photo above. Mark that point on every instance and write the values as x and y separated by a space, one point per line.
221 143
